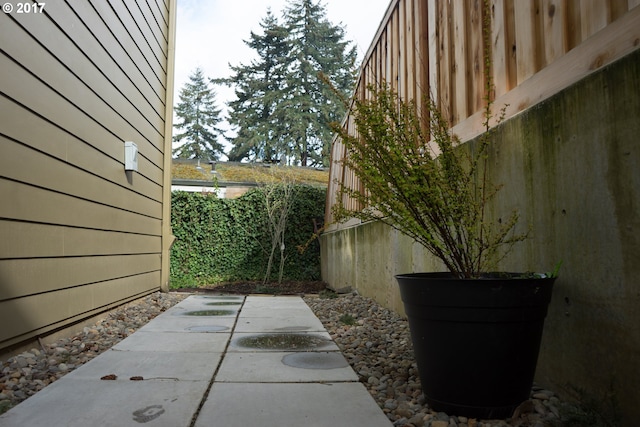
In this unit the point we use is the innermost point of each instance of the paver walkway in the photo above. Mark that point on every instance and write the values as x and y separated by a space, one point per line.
212 361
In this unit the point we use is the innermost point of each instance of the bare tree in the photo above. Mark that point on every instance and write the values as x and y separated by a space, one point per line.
278 199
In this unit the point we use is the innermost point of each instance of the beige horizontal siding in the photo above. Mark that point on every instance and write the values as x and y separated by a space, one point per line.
41 99
92 36
79 234
34 276
53 174
29 203
60 241
45 50
45 312
42 135
143 20
52 73
159 17
146 62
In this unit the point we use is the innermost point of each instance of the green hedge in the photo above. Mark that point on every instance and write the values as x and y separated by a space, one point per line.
228 239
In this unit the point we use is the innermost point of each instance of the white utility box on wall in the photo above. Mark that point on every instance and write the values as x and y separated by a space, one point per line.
130 156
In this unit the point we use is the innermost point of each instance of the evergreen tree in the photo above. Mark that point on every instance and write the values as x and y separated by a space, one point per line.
198 117
316 46
256 113
283 109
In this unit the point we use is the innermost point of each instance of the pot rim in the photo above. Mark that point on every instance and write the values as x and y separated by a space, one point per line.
492 275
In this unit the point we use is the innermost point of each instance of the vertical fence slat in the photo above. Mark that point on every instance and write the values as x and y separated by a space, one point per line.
424 67
499 47
395 54
432 34
404 31
459 66
444 59
526 56
595 14
410 46
573 24
554 19
423 54
475 40
618 8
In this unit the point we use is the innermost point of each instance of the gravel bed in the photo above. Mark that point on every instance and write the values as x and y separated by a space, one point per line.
377 344
25 374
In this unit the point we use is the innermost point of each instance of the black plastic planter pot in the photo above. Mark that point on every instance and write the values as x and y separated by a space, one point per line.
476 341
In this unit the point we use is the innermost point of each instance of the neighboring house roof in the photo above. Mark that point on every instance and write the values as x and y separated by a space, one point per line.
248 174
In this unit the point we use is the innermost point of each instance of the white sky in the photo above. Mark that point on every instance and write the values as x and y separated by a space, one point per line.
210 33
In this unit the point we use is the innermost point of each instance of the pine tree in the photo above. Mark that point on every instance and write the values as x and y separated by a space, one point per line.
316 46
283 109
198 119
256 112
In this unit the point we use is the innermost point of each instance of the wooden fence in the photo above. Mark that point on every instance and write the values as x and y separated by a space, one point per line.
537 48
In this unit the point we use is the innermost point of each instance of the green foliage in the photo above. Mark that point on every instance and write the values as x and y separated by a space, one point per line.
283 110
228 239
347 319
327 294
556 270
197 120
256 112
436 193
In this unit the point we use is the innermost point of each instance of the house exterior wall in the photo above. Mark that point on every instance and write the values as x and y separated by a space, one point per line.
570 167
80 235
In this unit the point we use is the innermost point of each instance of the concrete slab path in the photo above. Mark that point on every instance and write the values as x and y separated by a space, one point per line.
212 361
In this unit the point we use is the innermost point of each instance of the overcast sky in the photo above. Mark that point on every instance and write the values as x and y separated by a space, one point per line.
210 33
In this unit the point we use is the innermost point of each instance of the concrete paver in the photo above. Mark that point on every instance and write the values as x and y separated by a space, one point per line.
265 367
82 403
277 405
150 365
174 341
279 341
267 362
189 324
280 324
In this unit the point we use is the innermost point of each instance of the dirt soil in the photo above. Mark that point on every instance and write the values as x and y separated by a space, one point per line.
248 287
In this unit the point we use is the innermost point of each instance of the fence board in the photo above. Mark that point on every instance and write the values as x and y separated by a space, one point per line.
460 66
431 61
423 66
554 17
526 39
444 58
475 59
595 14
